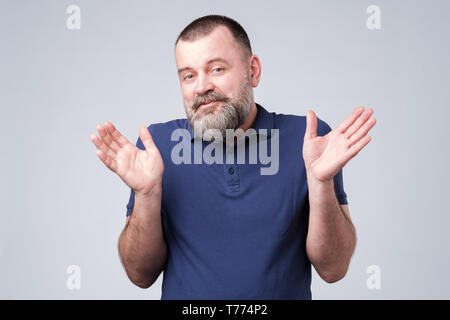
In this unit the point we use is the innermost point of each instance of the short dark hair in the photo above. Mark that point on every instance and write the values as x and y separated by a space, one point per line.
203 26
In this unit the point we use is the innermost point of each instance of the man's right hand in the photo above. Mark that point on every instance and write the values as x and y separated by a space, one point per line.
140 169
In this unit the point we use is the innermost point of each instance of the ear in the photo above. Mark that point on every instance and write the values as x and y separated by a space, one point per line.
255 70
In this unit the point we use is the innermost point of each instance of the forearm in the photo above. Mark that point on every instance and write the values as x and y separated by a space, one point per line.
141 245
331 236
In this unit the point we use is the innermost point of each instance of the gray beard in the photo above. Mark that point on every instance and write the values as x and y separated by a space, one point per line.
231 115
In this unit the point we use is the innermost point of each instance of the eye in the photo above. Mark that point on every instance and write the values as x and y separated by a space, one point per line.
219 69
188 77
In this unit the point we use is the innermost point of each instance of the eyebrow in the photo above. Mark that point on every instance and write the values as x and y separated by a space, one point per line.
208 62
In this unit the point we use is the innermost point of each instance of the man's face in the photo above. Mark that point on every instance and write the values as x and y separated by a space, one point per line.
215 81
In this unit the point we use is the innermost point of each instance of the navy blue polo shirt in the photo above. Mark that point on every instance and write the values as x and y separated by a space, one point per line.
231 232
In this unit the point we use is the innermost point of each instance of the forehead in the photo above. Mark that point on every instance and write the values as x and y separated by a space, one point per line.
219 43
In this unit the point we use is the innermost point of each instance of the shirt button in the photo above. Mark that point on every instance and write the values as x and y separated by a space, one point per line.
230 170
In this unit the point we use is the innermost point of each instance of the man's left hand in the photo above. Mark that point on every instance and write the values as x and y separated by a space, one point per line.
325 155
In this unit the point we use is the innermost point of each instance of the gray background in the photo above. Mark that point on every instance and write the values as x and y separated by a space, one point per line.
62 206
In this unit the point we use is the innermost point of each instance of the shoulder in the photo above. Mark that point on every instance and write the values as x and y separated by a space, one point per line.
162 131
297 123
167 127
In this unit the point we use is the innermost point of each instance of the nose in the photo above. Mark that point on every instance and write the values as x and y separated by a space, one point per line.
204 84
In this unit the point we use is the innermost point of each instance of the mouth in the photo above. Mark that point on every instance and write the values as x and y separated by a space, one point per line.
207 104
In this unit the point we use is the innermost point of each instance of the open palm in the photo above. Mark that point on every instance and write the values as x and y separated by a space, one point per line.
139 169
325 155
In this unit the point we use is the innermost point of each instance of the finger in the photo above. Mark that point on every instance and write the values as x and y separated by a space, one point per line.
108 161
362 131
356 148
116 135
311 125
358 123
146 138
107 139
102 146
349 120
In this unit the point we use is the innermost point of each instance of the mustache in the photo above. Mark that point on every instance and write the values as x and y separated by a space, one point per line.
208 97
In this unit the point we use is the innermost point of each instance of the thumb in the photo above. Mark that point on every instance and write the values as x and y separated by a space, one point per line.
146 138
311 125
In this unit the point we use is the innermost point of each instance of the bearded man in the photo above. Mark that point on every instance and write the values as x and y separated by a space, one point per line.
223 230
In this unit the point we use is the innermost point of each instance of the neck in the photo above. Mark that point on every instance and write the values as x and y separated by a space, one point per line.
248 122
250 118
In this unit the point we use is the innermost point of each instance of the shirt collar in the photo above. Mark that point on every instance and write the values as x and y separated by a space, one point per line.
263 120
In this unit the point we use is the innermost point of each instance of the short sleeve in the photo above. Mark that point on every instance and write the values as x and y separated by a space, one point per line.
130 204
339 188
322 129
